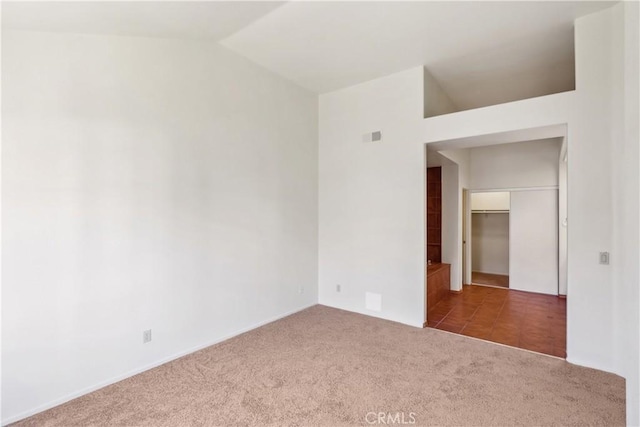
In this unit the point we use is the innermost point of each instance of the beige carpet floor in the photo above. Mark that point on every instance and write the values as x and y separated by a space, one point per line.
327 367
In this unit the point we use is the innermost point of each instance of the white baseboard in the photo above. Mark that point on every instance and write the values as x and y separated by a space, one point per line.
591 365
374 314
136 371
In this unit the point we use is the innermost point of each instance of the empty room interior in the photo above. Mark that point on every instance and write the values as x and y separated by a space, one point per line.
320 213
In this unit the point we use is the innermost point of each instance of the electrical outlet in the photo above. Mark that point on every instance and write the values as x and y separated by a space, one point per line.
338 288
604 258
301 290
146 336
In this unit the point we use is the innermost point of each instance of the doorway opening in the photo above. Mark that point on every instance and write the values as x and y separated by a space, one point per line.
497 216
490 238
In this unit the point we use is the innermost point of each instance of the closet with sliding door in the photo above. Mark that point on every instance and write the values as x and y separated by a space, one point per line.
514 239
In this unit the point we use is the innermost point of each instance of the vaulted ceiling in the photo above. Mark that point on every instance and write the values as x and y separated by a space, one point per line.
212 20
481 53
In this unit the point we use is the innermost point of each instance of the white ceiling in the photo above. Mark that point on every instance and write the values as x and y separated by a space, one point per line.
507 137
174 19
482 53
513 69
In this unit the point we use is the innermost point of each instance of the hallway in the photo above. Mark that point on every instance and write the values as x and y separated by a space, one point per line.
535 322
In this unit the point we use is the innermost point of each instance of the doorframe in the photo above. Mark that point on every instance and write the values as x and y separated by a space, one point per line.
518 135
466 236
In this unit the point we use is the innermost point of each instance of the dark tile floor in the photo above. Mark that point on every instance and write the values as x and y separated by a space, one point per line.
527 320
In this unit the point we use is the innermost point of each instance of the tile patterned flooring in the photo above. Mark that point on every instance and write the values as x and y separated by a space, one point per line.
527 320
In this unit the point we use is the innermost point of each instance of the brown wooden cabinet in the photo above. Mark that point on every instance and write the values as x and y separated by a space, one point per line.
438 283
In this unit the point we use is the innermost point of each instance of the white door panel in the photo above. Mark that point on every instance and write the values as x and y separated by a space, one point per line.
533 243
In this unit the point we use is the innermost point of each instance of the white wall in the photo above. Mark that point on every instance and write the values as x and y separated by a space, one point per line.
533 244
517 121
518 165
436 100
1 222
630 293
372 197
590 310
451 230
490 243
626 232
451 233
147 184
461 158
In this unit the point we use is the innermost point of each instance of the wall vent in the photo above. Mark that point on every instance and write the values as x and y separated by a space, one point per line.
373 301
372 137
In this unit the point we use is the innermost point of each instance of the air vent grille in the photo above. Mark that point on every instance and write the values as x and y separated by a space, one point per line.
372 137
